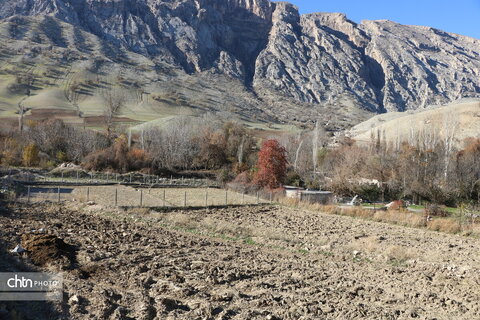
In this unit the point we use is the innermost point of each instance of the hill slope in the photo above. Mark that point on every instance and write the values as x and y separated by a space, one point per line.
461 119
254 57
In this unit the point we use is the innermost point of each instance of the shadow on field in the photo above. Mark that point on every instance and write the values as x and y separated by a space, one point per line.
194 208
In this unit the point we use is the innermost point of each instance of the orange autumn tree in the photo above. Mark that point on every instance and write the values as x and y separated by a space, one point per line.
271 165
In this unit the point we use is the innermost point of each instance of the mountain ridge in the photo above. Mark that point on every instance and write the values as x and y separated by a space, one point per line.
320 61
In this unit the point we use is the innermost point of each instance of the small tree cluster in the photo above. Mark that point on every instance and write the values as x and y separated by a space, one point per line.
386 172
204 143
119 157
30 155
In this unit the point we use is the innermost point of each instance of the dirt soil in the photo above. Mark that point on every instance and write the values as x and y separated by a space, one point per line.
263 262
43 249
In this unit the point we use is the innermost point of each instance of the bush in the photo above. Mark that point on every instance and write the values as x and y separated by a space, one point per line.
434 210
225 175
118 158
99 160
313 184
30 155
294 179
62 156
138 159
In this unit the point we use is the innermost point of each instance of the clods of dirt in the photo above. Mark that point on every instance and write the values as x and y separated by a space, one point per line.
46 248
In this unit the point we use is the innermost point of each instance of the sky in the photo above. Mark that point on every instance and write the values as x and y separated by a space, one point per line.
457 16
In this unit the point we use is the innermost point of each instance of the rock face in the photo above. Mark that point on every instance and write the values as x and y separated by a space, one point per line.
194 34
311 62
422 65
317 58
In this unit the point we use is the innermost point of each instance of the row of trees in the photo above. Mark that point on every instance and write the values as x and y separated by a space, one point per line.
200 143
384 172
184 143
426 167
53 140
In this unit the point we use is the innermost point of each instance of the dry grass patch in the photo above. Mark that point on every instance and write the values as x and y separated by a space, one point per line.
368 244
400 217
404 218
400 254
445 225
179 220
358 212
139 211
224 228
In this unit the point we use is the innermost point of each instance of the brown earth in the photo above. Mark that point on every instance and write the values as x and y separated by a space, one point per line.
43 249
263 262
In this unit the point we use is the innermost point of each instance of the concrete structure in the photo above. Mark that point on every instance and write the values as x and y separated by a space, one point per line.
323 197
293 192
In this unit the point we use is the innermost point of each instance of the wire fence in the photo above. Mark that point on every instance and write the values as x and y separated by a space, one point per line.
126 196
80 177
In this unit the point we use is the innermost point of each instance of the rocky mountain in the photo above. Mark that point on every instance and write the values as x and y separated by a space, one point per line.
295 66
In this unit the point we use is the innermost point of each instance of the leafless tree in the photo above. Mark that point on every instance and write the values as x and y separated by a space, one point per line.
297 155
315 137
450 127
71 92
21 112
115 100
319 139
173 146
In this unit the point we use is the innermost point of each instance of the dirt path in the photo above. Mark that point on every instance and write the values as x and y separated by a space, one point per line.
255 263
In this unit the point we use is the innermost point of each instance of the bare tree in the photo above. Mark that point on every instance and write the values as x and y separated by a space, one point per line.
297 155
71 92
318 141
174 145
21 111
450 126
315 146
114 102
240 151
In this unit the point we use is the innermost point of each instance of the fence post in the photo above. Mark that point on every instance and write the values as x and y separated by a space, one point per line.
141 197
58 194
164 198
77 176
88 194
130 178
258 198
226 197
62 176
243 197
185 199
270 197
206 198
116 196
107 177
28 197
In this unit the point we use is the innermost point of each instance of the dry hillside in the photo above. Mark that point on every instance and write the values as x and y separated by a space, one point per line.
462 119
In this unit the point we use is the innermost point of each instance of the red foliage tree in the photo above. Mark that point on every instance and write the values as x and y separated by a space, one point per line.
271 165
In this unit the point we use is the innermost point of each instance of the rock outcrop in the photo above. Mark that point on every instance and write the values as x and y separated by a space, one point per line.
321 59
310 62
